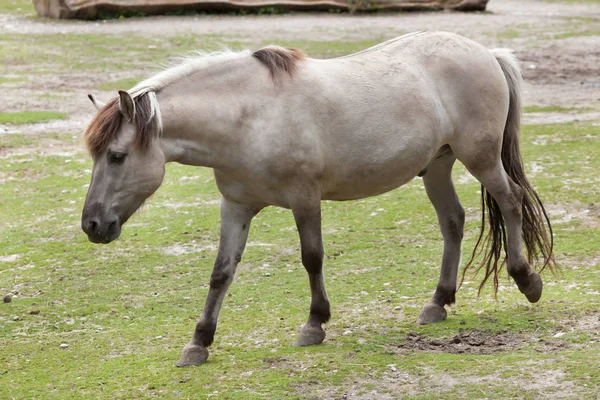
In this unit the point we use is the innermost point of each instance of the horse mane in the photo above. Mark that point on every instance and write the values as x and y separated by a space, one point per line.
279 59
105 126
103 129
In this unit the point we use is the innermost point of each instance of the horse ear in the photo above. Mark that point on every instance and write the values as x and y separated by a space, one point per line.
98 104
126 105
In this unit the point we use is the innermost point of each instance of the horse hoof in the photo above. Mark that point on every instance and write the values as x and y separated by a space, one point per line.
431 314
533 289
192 354
310 336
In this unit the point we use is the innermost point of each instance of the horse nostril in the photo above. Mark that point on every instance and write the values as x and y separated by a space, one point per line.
92 226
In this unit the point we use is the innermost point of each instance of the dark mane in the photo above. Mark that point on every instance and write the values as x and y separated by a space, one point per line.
106 124
278 59
103 128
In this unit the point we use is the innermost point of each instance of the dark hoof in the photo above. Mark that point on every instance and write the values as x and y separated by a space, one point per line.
532 289
192 354
431 314
309 336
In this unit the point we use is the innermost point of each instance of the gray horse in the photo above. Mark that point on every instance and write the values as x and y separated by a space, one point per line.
282 129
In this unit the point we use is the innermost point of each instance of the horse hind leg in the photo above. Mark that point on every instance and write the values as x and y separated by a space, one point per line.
451 218
508 197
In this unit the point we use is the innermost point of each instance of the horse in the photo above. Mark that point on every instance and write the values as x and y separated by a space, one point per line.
282 129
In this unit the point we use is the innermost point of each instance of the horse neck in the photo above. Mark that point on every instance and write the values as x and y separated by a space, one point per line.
203 114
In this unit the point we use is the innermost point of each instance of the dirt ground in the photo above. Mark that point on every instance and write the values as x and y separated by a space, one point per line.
561 72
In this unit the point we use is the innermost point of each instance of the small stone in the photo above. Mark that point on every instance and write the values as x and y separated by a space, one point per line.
267 274
15 318
559 334
7 298
64 345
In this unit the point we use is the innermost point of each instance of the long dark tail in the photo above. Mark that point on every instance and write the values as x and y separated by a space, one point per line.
537 230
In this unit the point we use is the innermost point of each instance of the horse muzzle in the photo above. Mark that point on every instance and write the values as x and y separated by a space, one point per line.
100 229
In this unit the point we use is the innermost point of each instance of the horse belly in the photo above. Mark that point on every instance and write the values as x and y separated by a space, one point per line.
362 189
370 179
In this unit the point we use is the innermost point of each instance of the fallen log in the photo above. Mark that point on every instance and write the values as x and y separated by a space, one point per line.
91 9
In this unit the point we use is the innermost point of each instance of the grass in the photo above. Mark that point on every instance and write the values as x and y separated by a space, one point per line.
585 32
88 53
17 7
556 29
8 79
89 321
30 117
544 109
121 84
126 309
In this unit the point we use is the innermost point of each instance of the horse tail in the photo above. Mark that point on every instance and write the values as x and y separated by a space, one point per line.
537 230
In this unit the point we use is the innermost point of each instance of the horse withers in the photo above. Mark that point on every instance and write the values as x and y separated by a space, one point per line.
279 128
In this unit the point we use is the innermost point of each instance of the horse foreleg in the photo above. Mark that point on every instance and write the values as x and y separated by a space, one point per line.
308 221
451 218
235 223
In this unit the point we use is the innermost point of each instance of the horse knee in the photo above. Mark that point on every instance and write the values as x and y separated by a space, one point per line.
221 275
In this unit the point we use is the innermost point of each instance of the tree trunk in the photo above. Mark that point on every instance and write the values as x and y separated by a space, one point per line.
89 9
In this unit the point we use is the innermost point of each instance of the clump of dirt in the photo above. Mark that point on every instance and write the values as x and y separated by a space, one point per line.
467 341
478 342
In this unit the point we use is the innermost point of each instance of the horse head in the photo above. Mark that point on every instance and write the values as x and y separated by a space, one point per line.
128 163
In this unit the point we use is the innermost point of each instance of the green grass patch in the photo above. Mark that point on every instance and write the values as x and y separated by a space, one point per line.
30 117
121 84
328 49
582 20
586 32
545 109
12 79
126 309
514 32
45 54
16 7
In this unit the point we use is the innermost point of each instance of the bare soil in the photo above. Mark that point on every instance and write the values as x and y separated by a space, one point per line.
474 342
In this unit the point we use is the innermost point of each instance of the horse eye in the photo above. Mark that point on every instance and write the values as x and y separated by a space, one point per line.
116 158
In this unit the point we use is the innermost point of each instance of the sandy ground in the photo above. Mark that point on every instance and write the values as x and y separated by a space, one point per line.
561 72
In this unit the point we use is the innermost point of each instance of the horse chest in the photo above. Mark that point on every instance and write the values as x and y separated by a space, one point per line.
251 191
